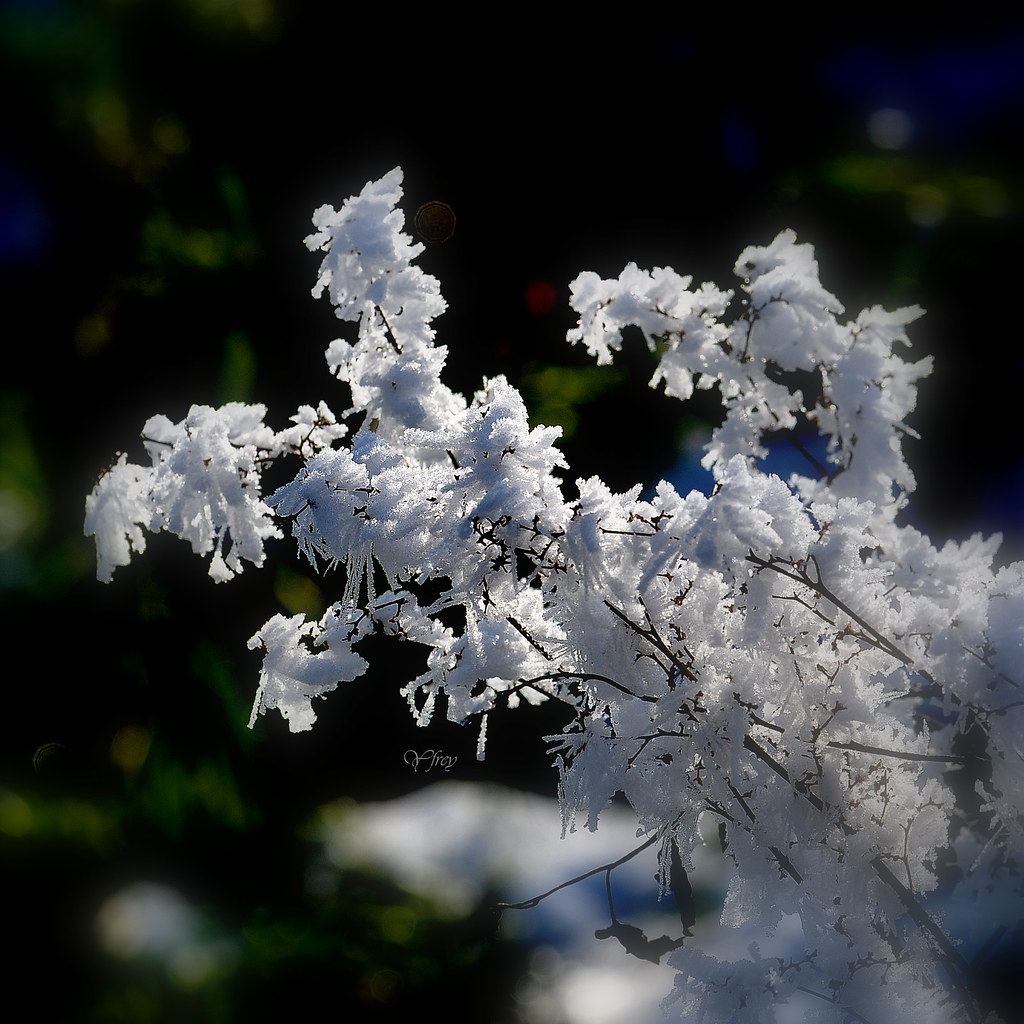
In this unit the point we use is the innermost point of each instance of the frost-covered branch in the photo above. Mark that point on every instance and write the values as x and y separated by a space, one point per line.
787 656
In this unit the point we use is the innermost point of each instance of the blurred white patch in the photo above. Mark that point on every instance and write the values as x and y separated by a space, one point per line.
155 921
457 843
889 128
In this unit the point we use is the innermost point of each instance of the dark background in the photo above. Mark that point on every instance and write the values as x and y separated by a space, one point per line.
158 168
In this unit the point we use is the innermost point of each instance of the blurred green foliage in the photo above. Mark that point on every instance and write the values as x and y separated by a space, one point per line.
193 896
553 394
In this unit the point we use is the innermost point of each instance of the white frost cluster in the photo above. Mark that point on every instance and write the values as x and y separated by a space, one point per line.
789 323
203 485
782 656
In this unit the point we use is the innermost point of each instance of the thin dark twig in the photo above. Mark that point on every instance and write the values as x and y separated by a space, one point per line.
865 748
822 471
590 675
878 639
834 1002
522 630
652 637
526 904
388 333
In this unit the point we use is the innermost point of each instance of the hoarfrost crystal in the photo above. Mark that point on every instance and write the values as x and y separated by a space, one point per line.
782 656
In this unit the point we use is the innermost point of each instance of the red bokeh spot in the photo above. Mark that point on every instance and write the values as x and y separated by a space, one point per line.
540 297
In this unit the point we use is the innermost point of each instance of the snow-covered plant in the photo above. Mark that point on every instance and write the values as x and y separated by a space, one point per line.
786 658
